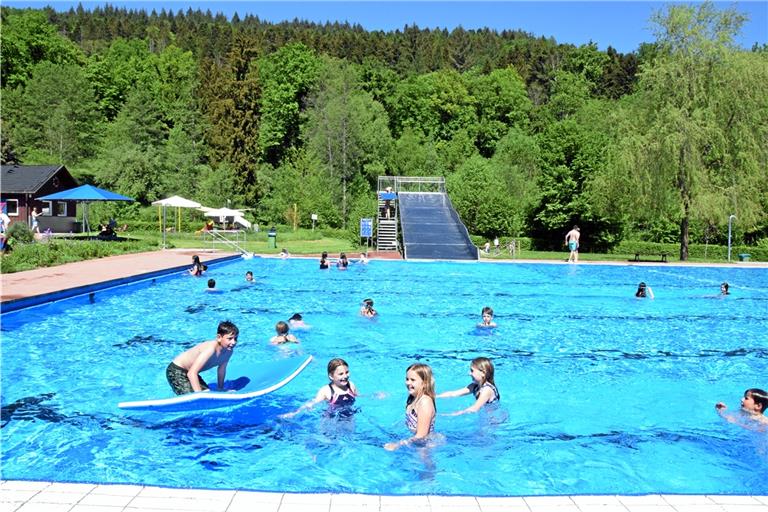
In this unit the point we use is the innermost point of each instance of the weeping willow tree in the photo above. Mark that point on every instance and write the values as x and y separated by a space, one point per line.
692 142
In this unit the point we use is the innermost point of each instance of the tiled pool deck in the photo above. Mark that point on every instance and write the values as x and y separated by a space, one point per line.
19 496
29 496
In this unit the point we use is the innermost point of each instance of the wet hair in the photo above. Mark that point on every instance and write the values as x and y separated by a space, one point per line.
342 256
211 283
368 302
335 363
227 327
425 374
195 259
281 328
296 316
487 309
249 273
324 255
724 287
759 396
641 288
486 366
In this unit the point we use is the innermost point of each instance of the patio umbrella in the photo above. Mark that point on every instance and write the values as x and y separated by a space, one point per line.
85 194
178 202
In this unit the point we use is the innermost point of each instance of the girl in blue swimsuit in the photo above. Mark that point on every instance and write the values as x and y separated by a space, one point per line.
420 407
482 386
340 392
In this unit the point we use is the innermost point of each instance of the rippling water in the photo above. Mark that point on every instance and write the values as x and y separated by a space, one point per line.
601 392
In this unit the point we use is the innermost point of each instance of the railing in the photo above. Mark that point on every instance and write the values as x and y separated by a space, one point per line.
228 237
412 183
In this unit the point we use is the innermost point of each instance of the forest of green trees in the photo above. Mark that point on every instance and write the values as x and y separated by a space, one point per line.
532 136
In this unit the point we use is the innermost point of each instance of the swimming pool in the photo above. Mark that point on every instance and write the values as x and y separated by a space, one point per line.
601 392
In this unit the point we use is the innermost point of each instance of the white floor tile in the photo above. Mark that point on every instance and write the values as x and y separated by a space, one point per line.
596 507
453 501
305 507
712 507
309 499
406 507
20 485
596 500
12 495
253 507
734 500
117 490
95 508
687 499
650 499
503 504
180 504
364 507
650 508
46 496
253 498
405 501
105 500
44 507
744 508
367 500
77 488
549 501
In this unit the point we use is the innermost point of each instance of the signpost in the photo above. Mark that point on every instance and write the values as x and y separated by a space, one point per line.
366 230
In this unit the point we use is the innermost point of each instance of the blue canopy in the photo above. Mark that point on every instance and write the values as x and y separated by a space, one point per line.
85 193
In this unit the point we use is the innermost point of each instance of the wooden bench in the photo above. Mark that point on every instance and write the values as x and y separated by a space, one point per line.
662 255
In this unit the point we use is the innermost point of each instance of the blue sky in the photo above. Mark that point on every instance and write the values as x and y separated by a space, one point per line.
621 24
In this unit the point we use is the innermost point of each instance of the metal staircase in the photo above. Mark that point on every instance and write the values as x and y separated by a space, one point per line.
428 224
218 237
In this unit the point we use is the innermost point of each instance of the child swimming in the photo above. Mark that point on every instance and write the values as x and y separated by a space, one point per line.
420 408
282 335
340 392
753 407
366 309
487 314
482 386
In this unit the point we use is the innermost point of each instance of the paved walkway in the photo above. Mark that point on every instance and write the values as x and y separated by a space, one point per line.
23 496
74 276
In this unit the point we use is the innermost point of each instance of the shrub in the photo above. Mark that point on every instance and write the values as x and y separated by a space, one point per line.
28 256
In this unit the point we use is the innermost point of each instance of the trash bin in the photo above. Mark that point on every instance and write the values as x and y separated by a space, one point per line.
744 257
272 238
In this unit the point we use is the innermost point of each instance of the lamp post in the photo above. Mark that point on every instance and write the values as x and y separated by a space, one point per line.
730 220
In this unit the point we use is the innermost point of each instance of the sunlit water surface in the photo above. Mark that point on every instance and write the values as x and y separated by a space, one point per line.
601 392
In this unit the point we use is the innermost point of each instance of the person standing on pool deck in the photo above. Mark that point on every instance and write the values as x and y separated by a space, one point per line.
572 241
183 373
753 406
420 407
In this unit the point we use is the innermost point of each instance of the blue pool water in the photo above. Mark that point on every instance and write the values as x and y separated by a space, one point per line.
601 392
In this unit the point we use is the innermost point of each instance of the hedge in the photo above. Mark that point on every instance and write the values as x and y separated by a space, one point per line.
711 252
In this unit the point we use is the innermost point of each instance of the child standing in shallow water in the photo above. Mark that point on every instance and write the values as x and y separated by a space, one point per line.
482 386
282 336
340 392
487 315
420 407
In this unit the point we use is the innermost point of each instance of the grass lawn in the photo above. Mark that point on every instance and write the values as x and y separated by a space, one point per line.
301 242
